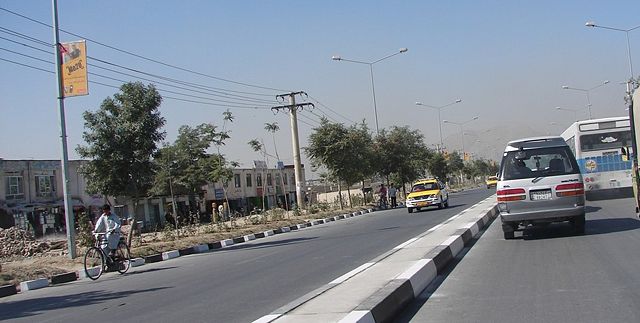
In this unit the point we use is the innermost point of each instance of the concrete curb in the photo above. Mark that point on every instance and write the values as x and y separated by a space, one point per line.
8 290
420 267
83 275
153 258
64 278
170 254
136 262
33 284
387 302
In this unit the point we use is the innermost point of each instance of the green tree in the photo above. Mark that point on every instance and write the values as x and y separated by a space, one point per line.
187 163
438 166
401 154
257 146
273 128
121 138
346 152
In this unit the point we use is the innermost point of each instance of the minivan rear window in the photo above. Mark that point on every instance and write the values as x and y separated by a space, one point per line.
539 162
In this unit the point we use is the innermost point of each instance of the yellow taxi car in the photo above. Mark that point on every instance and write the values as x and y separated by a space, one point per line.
492 181
427 192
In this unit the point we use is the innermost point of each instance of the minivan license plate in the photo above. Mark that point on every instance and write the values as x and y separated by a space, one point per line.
540 195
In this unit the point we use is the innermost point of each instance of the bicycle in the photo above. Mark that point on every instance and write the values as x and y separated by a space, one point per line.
382 202
96 261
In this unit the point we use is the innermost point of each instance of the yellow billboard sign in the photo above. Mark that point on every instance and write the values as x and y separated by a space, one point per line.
74 68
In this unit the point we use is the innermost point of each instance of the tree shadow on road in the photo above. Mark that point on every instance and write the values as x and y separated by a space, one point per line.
38 306
150 270
260 245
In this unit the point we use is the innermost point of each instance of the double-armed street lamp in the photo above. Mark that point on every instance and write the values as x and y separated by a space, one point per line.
439 108
586 91
373 88
626 31
461 125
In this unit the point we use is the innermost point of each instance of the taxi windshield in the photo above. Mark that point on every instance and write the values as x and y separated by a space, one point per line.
424 187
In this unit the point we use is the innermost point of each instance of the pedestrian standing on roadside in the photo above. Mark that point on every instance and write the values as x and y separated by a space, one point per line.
214 213
221 212
393 191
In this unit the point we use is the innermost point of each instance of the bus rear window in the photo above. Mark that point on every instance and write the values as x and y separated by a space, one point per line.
602 141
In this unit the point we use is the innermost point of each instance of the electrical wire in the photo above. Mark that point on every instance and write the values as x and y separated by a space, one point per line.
26 65
316 122
323 116
234 105
143 57
216 91
328 108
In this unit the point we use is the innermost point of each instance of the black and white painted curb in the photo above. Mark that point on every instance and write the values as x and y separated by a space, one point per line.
397 293
385 304
30 285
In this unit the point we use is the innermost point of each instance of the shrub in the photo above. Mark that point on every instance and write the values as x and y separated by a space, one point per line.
85 231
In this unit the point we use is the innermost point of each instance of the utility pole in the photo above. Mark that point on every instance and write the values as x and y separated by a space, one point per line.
71 242
292 107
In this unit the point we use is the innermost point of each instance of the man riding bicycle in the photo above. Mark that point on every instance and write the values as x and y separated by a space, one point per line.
383 196
108 225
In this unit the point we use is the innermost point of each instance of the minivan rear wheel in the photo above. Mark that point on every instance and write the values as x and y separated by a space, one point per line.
509 231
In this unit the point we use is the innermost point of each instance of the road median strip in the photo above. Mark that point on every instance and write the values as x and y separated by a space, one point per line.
378 291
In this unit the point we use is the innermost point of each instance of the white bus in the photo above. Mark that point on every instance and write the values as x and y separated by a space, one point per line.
597 145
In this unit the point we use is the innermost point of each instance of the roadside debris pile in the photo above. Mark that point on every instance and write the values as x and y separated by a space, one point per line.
17 242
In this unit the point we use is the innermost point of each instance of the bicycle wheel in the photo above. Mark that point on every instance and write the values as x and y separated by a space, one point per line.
123 258
94 263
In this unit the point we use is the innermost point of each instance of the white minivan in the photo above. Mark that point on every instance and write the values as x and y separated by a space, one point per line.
539 182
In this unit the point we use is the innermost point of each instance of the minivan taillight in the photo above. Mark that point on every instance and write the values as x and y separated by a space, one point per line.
572 189
511 194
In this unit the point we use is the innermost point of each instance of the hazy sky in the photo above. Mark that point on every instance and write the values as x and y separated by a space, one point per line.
506 60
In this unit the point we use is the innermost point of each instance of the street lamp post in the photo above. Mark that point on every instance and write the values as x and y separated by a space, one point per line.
626 31
461 125
439 108
373 88
586 91
634 145
575 111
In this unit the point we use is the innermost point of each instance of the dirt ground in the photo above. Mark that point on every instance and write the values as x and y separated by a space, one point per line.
17 269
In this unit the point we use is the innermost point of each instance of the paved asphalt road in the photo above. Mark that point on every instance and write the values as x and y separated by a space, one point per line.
549 276
238 284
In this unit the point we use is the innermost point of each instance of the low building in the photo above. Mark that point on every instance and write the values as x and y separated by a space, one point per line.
32 198
31 194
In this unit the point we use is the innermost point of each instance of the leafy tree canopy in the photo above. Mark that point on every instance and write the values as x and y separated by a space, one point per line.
188 164
402 153
438 166
121 138
346 152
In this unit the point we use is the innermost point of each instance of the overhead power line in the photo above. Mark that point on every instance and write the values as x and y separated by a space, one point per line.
234 106
143 57
316 122
26 65
328 108
215 91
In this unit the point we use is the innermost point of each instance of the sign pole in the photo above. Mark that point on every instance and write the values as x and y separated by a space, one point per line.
71 245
